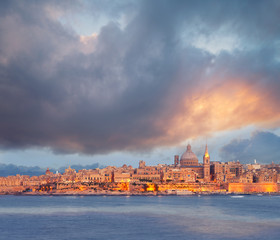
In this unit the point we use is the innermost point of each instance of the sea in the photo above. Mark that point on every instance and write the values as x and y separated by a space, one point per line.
140 217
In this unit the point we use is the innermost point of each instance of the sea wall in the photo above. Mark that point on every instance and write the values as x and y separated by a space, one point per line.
194 187
11 190
253 187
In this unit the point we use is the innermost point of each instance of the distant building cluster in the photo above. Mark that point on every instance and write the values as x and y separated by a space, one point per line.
185 170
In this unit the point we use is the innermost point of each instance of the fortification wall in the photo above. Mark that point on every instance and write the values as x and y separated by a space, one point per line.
253 187
194 187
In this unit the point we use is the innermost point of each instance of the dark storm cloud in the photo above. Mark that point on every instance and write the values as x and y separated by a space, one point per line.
262 146
138 86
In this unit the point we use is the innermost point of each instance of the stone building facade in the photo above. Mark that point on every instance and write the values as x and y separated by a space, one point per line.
189 161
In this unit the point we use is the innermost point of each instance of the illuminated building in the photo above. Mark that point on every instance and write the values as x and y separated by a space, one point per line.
206 165
190 161
226 171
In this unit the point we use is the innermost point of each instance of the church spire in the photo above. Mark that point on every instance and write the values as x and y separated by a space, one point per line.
206 165
206 154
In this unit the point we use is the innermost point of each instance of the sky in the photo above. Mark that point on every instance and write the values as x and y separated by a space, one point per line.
115 82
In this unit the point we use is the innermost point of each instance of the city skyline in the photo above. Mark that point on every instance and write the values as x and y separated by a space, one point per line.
185 176
84 82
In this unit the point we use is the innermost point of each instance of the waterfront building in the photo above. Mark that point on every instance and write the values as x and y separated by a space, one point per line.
226 171
121 177
147 173
246 177
266 176
179 175
89 176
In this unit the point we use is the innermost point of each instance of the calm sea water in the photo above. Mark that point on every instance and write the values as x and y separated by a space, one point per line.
139 217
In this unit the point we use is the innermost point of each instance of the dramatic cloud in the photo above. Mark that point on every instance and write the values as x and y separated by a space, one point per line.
145 79
262 146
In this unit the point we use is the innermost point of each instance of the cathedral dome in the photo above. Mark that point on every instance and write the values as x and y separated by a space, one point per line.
188 158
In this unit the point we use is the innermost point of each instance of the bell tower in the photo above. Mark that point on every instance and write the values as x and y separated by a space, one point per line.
206 165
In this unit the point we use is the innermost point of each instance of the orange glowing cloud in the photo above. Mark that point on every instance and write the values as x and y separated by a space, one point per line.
228 106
